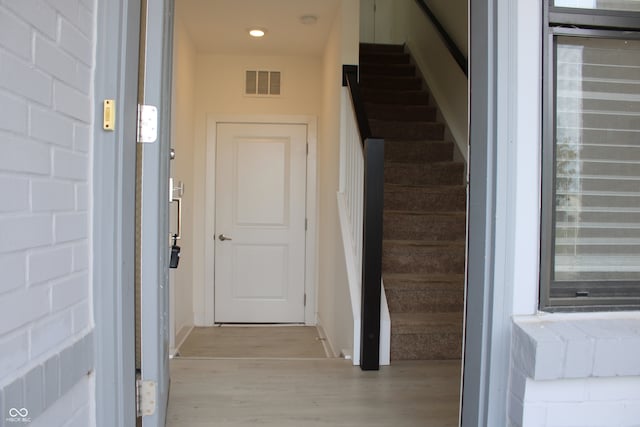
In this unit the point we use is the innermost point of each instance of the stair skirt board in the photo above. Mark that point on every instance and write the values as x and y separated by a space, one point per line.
424 208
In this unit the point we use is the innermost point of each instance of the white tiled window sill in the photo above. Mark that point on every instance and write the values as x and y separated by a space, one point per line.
581 345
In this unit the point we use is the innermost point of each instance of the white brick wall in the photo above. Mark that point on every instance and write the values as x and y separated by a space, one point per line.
72 410
591 402
580 370
46 69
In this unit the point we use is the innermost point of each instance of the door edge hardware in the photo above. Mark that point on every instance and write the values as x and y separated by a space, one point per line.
146 397
109 112
147 124
174 258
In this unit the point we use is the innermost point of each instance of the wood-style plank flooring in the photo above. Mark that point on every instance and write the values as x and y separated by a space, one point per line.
312 392
253 342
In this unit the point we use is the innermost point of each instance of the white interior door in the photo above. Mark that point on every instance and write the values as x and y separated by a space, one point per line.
260 223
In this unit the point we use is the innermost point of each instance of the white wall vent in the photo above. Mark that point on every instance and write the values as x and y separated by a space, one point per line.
262 83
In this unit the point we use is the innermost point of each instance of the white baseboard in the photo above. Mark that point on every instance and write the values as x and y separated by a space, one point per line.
181 336
328 348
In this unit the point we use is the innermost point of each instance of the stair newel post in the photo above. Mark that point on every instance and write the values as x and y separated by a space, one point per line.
373 154
372 253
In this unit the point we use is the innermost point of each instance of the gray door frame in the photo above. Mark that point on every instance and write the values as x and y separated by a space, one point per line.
489 301
116 77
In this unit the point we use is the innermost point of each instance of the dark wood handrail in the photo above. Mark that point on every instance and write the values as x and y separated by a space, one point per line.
350 80
373 151
453 48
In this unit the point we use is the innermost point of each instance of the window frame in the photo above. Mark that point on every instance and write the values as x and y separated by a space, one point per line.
582 23
621 20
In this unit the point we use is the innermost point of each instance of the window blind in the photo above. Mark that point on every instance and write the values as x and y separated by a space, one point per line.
629 5
597 161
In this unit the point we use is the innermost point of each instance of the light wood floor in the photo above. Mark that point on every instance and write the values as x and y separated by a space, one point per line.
253 342
312 392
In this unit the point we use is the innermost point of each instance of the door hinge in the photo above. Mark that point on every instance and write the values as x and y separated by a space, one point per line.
147 124
305 300
307 148
306 224
145 397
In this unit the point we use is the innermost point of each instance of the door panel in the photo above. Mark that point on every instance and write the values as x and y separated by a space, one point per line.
260 210
261 199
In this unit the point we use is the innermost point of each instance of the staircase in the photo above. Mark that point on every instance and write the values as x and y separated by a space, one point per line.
424 209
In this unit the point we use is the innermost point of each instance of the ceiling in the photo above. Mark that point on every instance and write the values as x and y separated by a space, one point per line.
220 26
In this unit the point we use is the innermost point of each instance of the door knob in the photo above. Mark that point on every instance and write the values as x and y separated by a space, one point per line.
222 238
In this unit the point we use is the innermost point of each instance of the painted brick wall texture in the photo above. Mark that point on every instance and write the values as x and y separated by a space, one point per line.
575 371
46 340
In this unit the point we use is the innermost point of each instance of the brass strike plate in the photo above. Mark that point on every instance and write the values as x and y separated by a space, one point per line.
109 120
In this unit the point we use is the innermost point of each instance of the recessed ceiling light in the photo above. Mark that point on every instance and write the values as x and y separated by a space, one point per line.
308 19
257 32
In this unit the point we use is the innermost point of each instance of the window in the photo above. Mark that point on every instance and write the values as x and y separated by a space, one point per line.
590 254
630 5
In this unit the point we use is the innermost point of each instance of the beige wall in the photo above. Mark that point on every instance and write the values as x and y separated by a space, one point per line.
220 80
383 21
334 303
184 87
453 15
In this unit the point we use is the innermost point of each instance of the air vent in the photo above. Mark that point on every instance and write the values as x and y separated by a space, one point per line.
262 83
